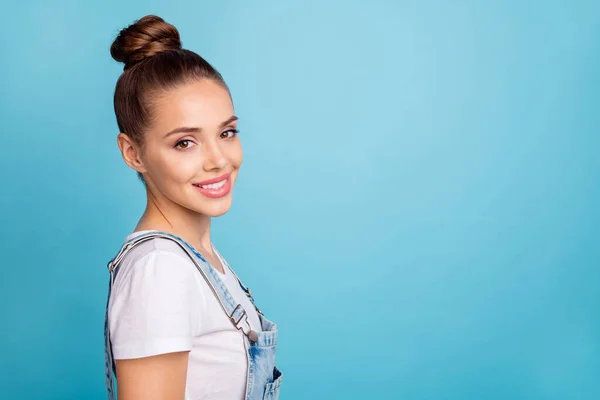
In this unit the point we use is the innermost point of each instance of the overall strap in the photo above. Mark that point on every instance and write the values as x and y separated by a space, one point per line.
235 312
109 362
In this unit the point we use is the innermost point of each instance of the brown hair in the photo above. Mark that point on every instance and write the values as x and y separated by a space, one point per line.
154 63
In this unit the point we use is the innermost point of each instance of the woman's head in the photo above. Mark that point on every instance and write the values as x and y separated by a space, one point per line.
176 119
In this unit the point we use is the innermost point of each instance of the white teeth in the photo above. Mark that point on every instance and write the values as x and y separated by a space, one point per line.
217 185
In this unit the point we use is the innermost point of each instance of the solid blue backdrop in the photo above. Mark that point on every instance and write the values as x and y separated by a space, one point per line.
417 210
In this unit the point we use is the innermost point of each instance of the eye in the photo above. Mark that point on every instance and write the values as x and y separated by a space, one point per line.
184 144
232 133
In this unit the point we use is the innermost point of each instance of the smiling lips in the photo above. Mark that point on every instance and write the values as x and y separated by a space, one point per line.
216 187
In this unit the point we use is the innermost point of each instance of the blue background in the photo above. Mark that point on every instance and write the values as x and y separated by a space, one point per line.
417 210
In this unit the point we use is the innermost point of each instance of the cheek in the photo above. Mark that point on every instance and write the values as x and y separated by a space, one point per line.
171 167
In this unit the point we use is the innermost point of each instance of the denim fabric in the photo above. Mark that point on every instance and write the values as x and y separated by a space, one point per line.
263 378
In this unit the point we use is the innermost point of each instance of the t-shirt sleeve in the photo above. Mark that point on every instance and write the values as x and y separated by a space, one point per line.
152 309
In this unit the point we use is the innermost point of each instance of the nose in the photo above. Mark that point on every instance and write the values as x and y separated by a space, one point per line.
214 156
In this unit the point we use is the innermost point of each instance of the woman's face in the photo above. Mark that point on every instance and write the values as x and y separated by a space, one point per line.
192 153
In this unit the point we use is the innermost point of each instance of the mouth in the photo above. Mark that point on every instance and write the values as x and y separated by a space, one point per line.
215 188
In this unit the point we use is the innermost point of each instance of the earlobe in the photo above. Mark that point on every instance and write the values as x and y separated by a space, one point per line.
130 152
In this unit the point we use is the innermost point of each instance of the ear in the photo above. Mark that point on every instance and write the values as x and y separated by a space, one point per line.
130 152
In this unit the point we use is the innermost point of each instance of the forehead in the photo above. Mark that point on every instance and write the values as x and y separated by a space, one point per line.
203 104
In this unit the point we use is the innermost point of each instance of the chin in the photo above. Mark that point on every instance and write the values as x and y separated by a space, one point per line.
215 210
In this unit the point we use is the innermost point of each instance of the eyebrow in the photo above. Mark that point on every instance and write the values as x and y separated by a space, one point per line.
192 129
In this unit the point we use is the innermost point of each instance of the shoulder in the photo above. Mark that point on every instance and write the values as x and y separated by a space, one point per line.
157 267
153 306
154 256
154 246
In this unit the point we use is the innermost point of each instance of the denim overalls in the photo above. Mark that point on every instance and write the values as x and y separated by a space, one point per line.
263 377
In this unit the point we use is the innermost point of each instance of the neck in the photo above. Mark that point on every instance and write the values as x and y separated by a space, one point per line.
166 216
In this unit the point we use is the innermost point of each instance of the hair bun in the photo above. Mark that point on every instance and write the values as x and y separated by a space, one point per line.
144 38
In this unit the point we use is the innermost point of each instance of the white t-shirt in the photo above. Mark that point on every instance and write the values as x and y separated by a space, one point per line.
160 303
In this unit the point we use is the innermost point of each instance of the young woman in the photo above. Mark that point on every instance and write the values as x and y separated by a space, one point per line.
179 323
